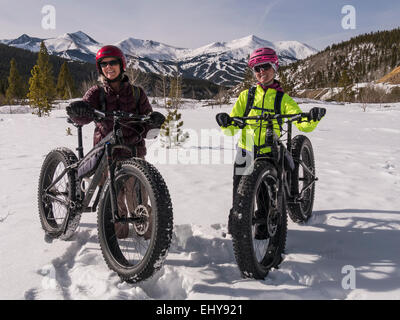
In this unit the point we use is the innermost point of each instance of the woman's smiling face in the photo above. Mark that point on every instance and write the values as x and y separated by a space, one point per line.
265 73
111 68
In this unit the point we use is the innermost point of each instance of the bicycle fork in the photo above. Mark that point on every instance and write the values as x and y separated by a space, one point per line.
310 183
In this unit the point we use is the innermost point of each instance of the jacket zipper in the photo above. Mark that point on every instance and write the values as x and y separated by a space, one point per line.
262 113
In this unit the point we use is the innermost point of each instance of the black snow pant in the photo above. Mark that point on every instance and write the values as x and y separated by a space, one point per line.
242 163
243 160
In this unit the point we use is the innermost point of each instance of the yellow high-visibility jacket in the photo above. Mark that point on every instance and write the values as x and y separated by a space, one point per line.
251 133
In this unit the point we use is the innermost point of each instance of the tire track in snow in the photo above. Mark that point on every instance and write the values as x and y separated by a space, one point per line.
56 281
3 218
67 261
81 273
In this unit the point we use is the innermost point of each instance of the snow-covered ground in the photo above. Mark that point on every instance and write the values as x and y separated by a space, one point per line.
355 226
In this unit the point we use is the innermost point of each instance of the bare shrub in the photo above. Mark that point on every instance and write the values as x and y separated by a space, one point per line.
87 84
222 97
371 94
138 78
394 95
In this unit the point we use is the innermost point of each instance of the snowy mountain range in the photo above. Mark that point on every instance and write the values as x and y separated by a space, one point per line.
74 46
221 62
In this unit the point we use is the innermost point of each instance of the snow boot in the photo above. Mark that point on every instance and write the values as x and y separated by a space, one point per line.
121 229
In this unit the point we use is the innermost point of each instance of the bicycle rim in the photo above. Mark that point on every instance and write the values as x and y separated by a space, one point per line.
130 246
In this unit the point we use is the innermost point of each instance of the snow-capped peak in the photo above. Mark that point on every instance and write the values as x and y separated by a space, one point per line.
24 42
149 49
250 40
76 46
22 39
295 48
242 47
80 37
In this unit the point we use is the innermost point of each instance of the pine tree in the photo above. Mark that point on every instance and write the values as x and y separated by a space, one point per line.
15 88
42 91
65 84
345 82
171 131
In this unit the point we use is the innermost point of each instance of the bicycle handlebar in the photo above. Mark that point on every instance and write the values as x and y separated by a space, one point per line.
269 117
122 115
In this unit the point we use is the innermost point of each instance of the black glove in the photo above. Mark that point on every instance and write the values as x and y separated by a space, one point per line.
157 119
223 119
316 114
79 109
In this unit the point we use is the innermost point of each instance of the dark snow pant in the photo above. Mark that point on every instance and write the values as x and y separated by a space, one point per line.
243 160
127 201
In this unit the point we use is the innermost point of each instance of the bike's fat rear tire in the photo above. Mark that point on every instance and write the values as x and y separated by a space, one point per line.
64 157
302 149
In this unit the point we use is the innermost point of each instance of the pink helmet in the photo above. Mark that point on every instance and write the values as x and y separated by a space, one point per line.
264 55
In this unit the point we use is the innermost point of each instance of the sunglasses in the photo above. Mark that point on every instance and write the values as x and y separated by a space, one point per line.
111 63
264 67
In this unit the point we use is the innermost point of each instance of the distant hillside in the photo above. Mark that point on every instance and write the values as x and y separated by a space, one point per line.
364 58
80 71
393 77
152 83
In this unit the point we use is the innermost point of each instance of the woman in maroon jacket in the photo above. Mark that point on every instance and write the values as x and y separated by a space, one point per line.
116 93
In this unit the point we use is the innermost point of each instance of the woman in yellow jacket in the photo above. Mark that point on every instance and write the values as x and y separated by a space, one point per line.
264 63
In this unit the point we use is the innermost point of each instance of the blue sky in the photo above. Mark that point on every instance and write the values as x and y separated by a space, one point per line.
191 24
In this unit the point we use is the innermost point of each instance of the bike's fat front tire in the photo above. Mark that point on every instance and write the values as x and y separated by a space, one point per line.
53 214
142 257
256 258
302 150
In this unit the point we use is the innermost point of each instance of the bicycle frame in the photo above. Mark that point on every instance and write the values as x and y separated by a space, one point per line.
112 141
279 151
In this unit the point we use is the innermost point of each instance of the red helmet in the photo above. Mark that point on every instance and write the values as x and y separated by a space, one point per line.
110 52
264 55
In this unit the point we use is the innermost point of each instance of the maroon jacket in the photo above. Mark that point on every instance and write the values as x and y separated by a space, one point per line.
123 100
